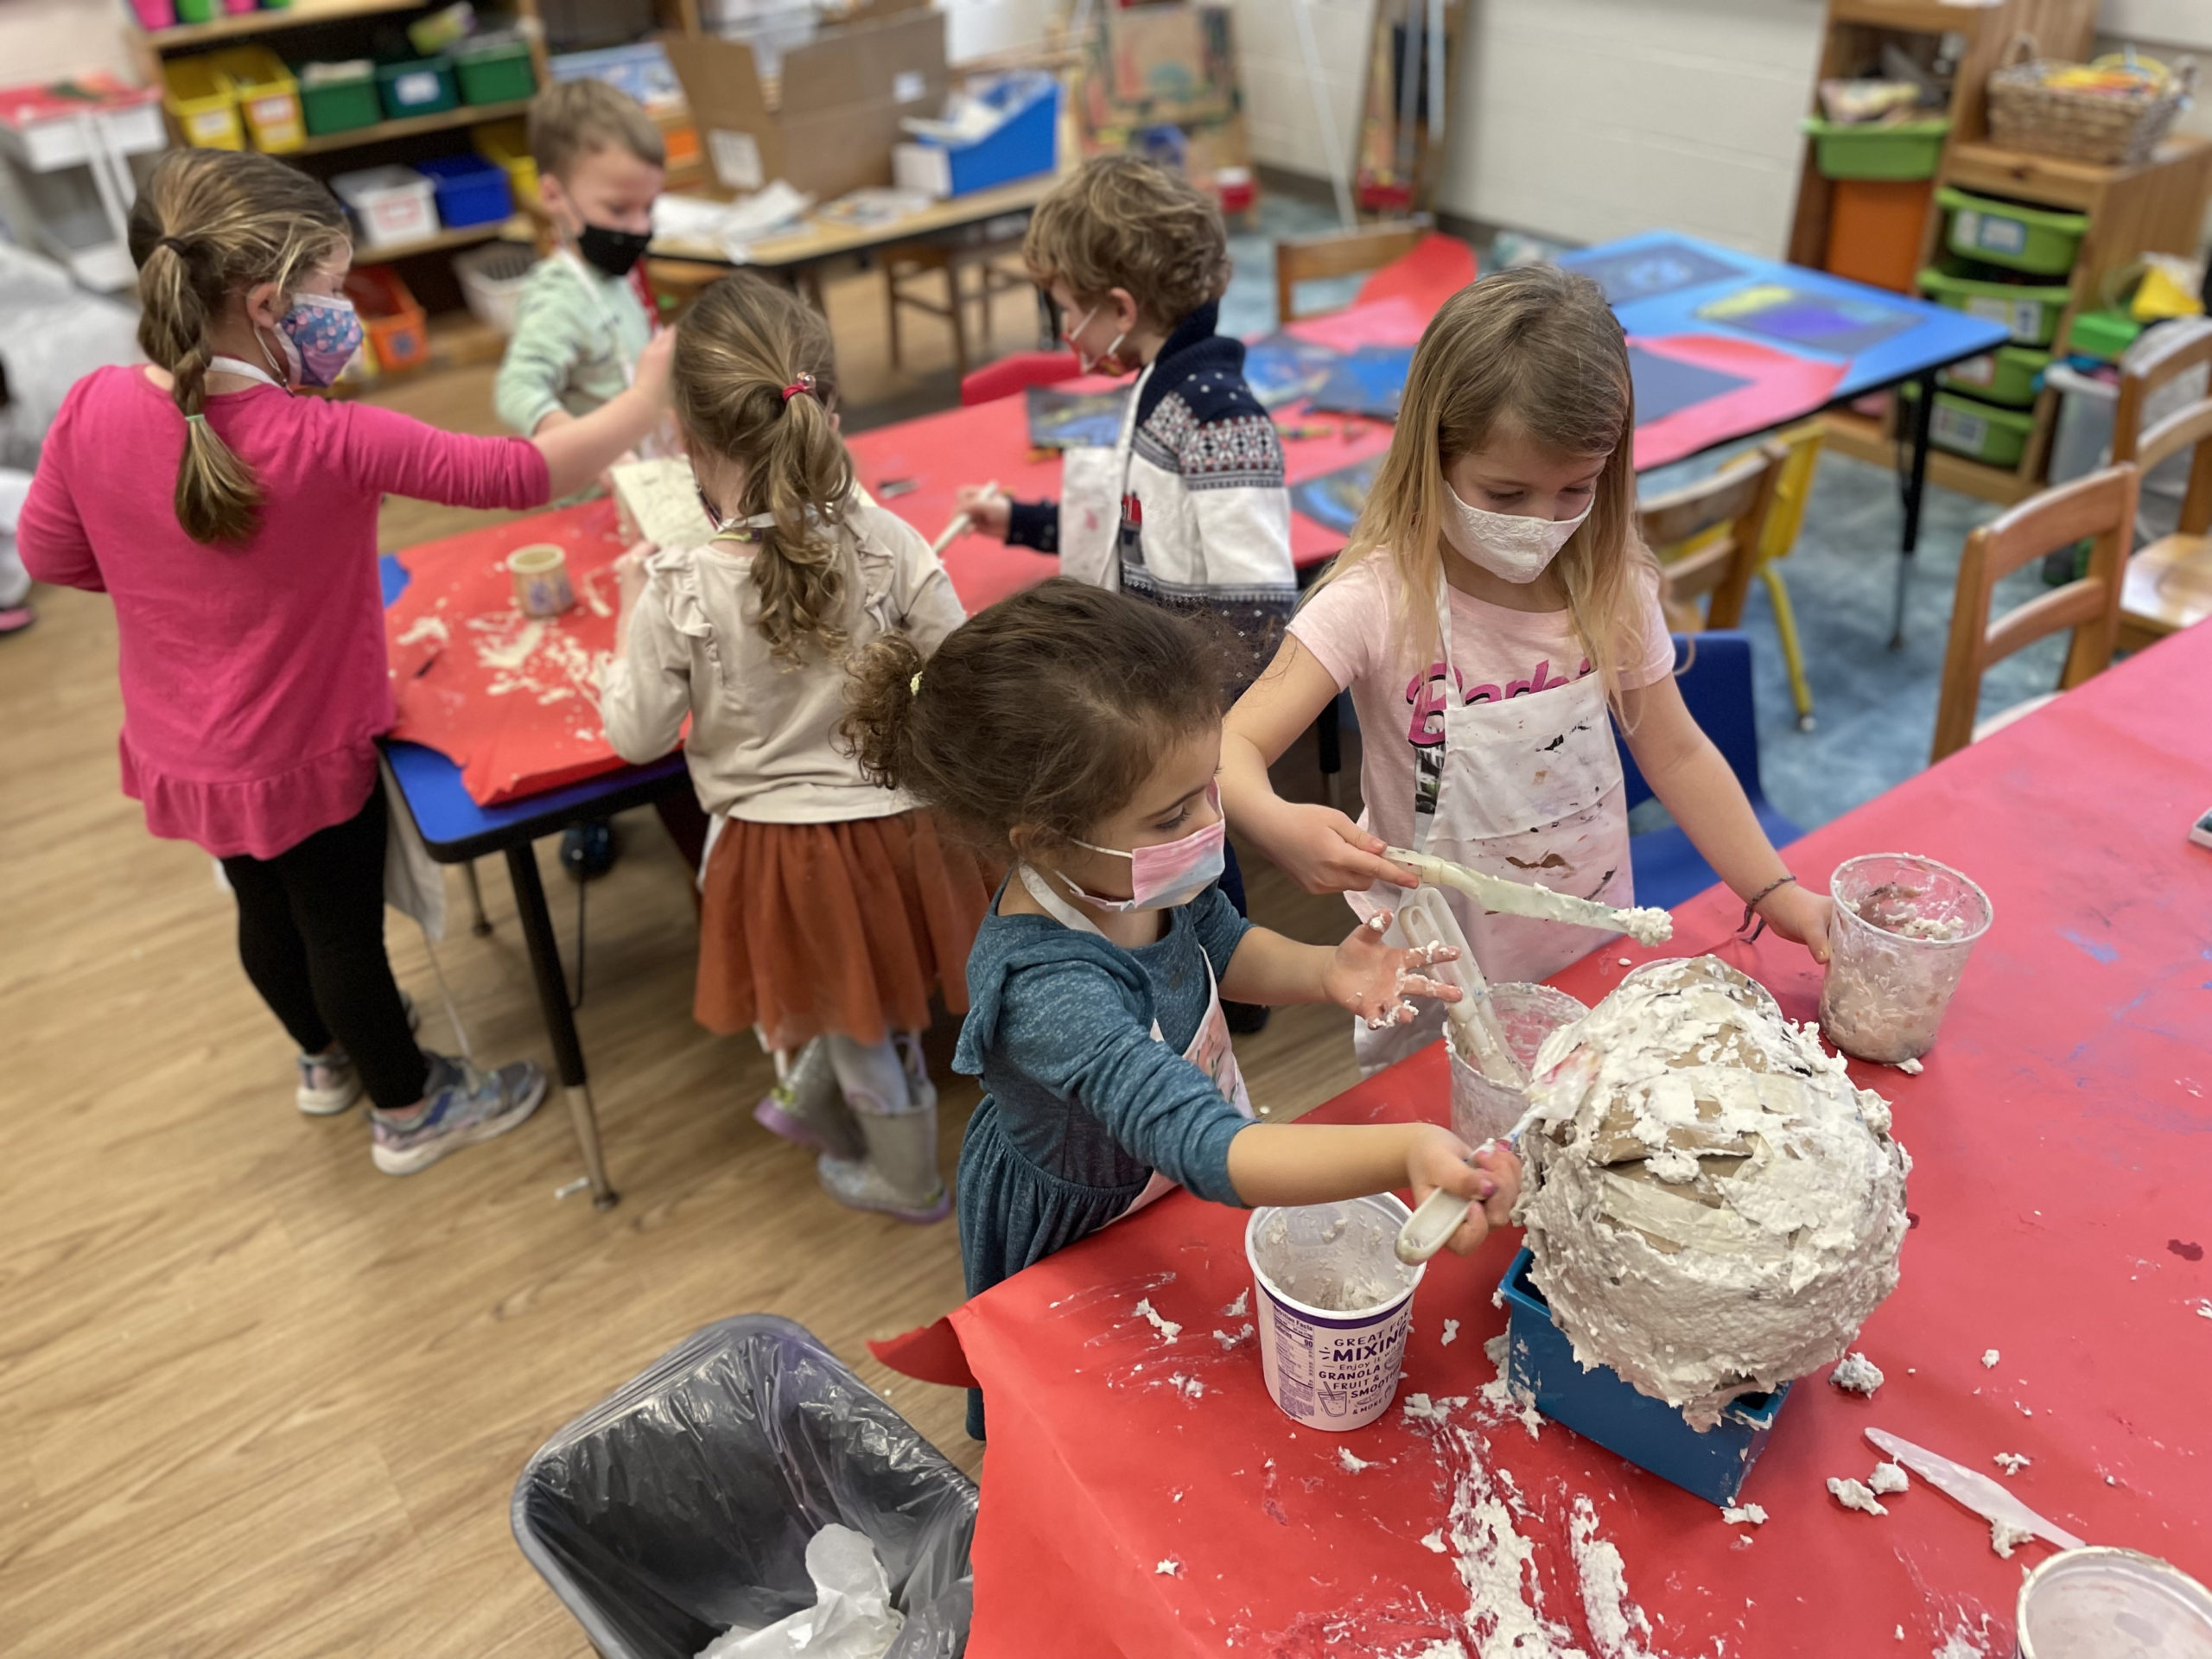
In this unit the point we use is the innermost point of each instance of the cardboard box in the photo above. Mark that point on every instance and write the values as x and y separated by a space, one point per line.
828 125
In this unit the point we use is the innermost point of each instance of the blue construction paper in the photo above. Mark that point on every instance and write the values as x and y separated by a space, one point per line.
1370 381
1664 385
1334 499
1068 420
1282 368
1657 267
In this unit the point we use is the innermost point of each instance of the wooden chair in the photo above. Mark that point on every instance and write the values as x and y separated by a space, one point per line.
2102 505
1793 487
2169 583
1708 537
910 267
1309 259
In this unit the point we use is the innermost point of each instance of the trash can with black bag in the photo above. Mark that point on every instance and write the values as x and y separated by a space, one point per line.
682 1505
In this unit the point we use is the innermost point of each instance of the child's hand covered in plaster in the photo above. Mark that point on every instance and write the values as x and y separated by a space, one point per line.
1375 981
1491 1177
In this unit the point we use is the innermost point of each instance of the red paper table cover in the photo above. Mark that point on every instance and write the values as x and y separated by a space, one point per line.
512 702
2063 1189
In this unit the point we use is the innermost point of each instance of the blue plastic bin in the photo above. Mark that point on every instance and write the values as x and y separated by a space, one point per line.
470 190
1599 1406
1024 145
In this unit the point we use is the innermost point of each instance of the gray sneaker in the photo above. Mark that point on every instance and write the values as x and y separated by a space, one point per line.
329 1083
465 1106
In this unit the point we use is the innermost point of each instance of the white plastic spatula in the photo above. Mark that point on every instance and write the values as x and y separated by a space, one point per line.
1426 920
1644 925
1984 1495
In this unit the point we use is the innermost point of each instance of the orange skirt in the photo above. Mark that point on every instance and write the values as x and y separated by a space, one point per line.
806 928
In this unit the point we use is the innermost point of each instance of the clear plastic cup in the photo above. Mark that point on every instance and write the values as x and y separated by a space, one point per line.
2101 1602
1483 1110
1904 927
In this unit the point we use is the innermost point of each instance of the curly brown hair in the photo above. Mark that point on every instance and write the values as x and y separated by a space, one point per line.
1121 222
1043 714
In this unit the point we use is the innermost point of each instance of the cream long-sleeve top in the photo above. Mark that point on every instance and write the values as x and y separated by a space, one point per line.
763 745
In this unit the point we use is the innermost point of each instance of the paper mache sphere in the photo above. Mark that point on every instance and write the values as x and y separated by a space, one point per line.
1712 1206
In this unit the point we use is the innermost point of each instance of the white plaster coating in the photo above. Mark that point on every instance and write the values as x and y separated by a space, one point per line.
1451 1333
1341 1258
1240 1307
1761 1269
1989 1357
2011 1462
1433 1542
1855 1495
1615 1621
1737 1514
1352 1465
2004 1538
1888 1477
1858 1374
1168 1329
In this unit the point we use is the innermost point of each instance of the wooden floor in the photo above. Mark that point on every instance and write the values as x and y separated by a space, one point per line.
257 1398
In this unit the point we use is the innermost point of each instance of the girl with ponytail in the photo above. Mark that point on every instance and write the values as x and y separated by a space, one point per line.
233 523
830 907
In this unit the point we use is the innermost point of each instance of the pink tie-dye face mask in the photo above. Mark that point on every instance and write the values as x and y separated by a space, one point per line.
320 335
1169 872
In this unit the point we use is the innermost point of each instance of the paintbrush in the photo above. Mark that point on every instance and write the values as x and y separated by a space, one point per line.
960 522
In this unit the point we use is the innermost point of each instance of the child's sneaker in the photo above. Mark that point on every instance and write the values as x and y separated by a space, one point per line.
807 1107
462 1105
328 1084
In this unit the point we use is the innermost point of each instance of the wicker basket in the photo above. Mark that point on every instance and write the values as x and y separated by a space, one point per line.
2108 128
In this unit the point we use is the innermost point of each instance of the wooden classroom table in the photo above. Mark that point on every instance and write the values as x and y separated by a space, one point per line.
797 255
2061 1202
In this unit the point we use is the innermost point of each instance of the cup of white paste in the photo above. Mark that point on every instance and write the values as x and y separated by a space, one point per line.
1333 1307
2111 1604
1904 927
541 574
1483 1110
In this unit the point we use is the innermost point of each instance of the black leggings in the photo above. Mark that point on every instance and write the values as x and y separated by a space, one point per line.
311 936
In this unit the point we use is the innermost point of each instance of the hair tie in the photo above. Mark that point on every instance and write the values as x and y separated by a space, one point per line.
804 383
914 685
175 246
189 419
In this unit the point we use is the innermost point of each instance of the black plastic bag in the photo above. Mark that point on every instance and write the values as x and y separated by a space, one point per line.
682 1505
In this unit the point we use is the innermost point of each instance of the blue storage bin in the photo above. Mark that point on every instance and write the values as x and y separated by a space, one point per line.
470 190
1024 145
1599 1406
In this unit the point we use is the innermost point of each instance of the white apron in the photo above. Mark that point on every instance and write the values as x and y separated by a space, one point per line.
1529 789
1095 500
1209 1049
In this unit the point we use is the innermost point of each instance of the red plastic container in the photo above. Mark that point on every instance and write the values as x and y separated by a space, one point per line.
399 333
1874 227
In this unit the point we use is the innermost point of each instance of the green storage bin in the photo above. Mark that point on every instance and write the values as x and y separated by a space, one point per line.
2010 375
494 68
2005 233
197 11
2031 310
2101 335
338 97
415 87
1893 149
1966 426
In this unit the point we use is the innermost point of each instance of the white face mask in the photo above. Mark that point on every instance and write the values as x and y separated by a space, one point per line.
1105 362
1511 548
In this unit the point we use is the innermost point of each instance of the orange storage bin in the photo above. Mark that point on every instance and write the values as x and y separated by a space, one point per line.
398 331
1874 228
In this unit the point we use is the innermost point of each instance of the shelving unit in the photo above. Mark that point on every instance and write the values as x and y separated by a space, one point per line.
465 114
300 14
2157 208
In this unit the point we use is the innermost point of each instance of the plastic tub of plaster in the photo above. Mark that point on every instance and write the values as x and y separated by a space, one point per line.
1333 1306
1904 927
2111 1604
1600 1405
1483 1110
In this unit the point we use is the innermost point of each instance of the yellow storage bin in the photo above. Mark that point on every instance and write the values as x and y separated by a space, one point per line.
506 144
267 95
199 100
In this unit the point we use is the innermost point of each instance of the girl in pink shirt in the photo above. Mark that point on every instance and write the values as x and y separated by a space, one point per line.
1493 613
233 526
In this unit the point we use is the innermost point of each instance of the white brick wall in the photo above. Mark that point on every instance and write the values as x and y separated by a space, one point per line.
1279 105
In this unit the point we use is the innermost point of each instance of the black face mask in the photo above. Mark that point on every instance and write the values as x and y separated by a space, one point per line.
615 252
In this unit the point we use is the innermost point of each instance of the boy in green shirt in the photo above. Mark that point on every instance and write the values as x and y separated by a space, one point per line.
585 312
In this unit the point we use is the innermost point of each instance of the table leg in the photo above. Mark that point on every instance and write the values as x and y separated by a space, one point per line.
482 924
1923 412
560 1020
